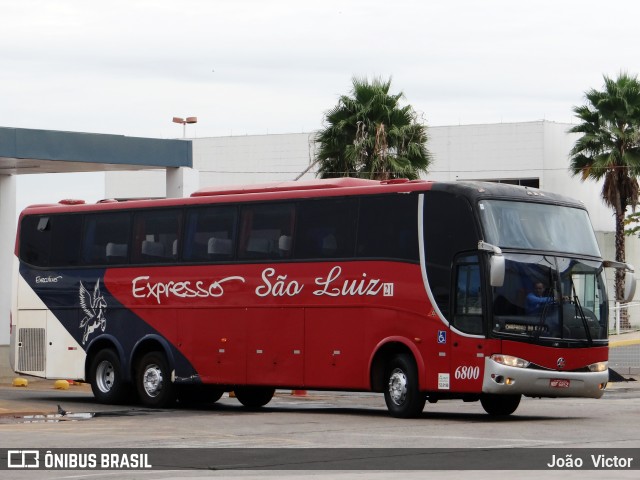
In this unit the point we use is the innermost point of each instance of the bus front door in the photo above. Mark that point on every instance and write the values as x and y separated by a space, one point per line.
467 326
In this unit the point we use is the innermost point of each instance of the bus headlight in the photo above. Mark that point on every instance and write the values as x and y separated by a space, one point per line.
599 367
509 361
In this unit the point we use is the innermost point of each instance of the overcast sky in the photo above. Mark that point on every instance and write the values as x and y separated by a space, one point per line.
275 66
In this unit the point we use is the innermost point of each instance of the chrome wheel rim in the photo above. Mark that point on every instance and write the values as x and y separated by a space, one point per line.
398 386
105 376
152 380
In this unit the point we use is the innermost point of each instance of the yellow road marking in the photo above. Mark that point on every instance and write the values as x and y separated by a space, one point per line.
624 343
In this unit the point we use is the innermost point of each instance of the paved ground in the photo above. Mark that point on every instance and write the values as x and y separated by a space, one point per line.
624 339
320 420
41 397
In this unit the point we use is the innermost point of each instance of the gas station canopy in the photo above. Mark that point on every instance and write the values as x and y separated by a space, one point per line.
27 151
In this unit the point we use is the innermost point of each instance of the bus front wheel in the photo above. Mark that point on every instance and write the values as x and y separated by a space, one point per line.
402 393
500 405
254 397
105 377
153 381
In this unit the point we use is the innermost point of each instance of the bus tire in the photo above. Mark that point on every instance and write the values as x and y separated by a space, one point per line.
199 394
500 405
106 379
211 393
402 393
153 381
254 397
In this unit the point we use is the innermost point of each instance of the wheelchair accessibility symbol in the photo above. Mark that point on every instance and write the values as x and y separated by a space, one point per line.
442 336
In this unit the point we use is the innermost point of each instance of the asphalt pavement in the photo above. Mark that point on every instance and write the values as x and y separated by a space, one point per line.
41 397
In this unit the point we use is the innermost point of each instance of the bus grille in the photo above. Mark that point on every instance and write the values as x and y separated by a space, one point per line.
31 353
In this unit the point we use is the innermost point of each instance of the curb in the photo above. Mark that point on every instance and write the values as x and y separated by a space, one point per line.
624 343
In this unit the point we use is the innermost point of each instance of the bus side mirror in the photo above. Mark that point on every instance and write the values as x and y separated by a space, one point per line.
629 287
496 270
496 263
629 279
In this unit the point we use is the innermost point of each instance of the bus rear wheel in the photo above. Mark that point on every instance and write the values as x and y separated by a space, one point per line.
105 377
153 381
500 405
402 393
254 397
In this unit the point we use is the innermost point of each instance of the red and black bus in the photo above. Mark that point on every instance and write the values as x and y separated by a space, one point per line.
419 290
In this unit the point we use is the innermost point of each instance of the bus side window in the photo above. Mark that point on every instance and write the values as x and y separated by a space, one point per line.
35 241
210 234
326 229
156 236
468 297
51 241
387 227
264 229
106 239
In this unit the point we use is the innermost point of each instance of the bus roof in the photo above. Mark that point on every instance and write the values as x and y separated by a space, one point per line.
478 190
290 186
346 186
248 193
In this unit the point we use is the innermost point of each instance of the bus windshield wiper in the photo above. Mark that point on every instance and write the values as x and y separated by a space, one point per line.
580 312
543 317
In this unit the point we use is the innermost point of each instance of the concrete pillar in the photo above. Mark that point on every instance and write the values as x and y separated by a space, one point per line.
7 245
182 182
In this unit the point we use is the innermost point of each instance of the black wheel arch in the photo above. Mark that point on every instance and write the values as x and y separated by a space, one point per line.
147 344
107 342
381 359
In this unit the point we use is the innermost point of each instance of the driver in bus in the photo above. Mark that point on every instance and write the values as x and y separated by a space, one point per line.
536 300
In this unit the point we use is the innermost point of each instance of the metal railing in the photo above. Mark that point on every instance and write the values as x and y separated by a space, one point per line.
624 338
624 318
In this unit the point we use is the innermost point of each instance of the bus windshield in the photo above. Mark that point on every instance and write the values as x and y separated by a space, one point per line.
538 226
551 297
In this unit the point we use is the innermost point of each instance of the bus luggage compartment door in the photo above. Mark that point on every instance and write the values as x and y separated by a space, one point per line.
275 353
65 356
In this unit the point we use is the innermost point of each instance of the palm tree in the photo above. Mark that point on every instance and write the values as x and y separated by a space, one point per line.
369 135
609 150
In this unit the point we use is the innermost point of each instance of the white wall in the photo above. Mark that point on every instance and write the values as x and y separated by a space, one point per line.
476 152
136 184
181 182
558 143
253 158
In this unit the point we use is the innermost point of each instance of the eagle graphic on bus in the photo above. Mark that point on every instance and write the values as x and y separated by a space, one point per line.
93 305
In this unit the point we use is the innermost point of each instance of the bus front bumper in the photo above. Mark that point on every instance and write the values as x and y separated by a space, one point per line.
505 380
